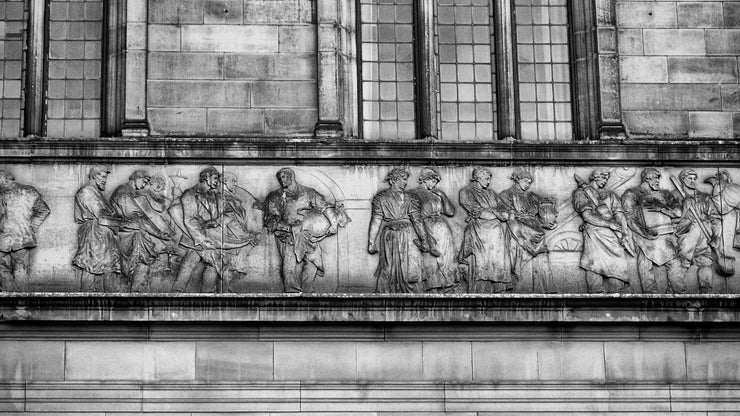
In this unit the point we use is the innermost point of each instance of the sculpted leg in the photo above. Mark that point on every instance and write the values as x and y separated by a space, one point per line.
647 275
7 280
140 278
91 282
210 281
289 268
676 277
187 269
20 261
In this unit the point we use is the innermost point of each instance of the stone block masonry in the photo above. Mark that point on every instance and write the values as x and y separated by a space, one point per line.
230 68
679 68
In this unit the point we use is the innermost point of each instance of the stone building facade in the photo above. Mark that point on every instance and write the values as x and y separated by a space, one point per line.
369 207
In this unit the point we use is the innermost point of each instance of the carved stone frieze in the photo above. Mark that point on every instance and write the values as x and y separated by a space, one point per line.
459 230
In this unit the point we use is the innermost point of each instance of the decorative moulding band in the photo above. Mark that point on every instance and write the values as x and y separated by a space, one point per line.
569 309
274 150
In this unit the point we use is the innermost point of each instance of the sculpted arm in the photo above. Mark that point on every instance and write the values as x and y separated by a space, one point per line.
448 208
376 219
40 211
191 220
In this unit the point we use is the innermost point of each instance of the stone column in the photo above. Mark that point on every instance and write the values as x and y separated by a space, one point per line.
336 60
134 69
610 116
428 69
34 108
505 66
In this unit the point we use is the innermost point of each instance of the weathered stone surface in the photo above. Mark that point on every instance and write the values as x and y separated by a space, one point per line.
31 360
630 41
177 120
712 362
156 361
656 97
234 361
723 41
731 14
199 94
297 39
283 66
240 39
658 123
164 38
505 361
389 361
568 361
646 14
643 69
702 70
730 97
703 14
181 66
447 361
706 124
658 361
315 361
676 42
236 122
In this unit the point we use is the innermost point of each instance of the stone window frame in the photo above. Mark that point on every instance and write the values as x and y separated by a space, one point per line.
594 63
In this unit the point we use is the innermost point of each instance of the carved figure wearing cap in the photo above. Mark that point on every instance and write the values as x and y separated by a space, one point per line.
397 235
22 211
695 240
300 217
607 239
485 245
440 272
650 211
197 213
97 254
530 216
138 235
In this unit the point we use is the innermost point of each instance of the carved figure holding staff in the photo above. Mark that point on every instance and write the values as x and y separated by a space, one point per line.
698 231
606 236
650 211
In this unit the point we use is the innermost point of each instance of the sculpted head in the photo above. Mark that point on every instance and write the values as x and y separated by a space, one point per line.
6 177
688 178
651 177
210 177
600 176
139 179
230 181
286 177
482 176
429 177
157 184
397 178
522 178
99 176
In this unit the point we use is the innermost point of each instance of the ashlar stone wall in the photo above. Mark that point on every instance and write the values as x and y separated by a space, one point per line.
679 68
232 67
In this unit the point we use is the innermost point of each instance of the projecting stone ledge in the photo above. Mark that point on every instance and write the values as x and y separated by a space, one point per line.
594 309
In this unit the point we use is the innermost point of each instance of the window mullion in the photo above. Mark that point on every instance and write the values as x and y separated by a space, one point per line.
427 80
505 69
34 106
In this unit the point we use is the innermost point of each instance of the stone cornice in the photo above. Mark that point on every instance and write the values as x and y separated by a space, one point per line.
339 152
590 309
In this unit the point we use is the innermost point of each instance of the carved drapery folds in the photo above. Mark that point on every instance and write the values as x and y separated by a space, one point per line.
190 228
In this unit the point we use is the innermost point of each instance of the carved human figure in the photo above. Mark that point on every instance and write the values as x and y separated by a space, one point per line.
726 198
650 211
485 245
198 212
530 215
607 239
241 214
440 272
97 256
291 212
697 230
22 211
397 235
138 235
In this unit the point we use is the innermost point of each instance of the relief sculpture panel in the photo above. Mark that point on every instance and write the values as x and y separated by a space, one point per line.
365 229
